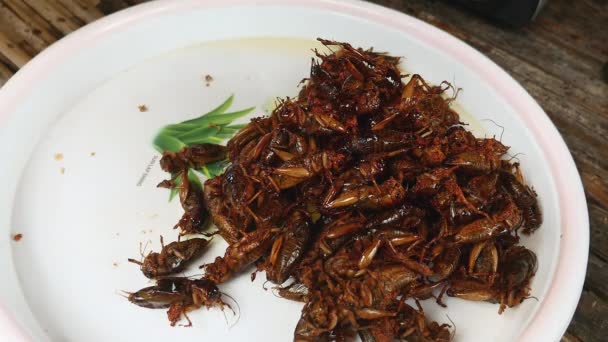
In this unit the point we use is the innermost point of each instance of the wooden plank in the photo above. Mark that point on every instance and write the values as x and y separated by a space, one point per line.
590 323
594 177
598 214
597 277
69 16
135 2
111 6
579 128
5 73
590 99
85 13
54 13
585 33
20 31
88 3
570 338
596 189
598 5
40 27
12 52
598 218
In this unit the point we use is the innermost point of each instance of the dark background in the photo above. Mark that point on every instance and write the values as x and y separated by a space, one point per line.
560 58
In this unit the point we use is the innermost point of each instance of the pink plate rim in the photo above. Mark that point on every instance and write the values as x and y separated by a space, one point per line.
559 304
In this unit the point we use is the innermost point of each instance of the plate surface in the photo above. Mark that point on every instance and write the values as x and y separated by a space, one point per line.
80 184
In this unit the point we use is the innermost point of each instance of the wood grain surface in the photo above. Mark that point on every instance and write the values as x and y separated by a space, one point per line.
561 59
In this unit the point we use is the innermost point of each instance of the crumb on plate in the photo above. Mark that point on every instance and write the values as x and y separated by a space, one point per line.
62 170
17 237
58 156
93 154
142 108
208 79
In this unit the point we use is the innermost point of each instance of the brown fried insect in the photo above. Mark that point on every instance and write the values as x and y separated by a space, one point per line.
290 248
447 262
508 219
194 156
172 257
393 278
483 160
213 201
296 292
180 295
239 255
294 171
526 200
518 267
191 198
472 290
386 195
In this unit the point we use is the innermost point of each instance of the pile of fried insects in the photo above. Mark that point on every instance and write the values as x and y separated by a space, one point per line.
359 194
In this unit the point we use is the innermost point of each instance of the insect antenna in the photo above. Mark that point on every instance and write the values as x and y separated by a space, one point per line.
454 325
515 156
142 251
124 294
501 127
238 309
274 290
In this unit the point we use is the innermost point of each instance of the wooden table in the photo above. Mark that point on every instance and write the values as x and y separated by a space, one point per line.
561 59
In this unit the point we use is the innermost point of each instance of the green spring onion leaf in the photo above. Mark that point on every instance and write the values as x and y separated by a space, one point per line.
219 110
165 142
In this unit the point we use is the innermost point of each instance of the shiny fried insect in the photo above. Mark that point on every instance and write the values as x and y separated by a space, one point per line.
172 257
180 295
239 255
191 198
195 156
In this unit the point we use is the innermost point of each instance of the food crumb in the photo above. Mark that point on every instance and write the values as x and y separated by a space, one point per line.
115 264
58 156
62 170
17 237
208 79
142 108
93 154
